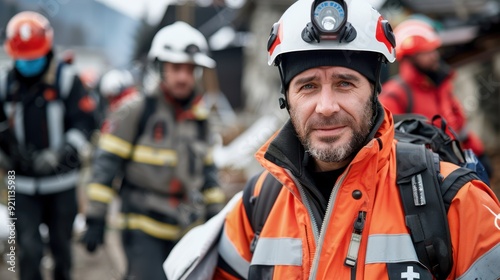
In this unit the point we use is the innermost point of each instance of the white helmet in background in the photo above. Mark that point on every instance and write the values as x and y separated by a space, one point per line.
180 43
114 82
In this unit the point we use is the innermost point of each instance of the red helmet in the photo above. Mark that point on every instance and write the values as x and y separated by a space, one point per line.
29 36
414 36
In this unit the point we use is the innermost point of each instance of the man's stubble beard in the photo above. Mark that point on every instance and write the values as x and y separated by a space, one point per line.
179 90
339 154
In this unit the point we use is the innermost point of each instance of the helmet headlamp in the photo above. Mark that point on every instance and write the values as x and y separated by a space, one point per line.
328 22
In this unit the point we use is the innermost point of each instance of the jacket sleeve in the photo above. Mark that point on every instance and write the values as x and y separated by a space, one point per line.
113 150
474 219
393 97
234 245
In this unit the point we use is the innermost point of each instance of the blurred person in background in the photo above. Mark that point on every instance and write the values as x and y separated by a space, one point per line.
160 142
115 87
49 117
424 85
90 80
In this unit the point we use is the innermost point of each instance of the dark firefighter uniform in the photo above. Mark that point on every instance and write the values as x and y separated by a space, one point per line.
48 113
169 182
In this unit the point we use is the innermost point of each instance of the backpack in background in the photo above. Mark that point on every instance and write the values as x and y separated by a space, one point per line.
434 135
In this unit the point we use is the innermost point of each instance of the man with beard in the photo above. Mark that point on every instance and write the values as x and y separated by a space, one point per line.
338 213
160 144
424 85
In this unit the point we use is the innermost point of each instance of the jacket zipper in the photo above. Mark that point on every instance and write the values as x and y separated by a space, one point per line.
329 210
352 252
306 204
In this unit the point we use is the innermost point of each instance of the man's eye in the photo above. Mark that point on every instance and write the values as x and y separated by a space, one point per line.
307 86
345 84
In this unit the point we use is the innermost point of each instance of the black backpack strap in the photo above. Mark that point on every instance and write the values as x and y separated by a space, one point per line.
257 207
454 182
425 215
147 111
408 91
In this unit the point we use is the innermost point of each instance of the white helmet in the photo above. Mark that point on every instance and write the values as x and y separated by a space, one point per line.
114 82
350 25
180 43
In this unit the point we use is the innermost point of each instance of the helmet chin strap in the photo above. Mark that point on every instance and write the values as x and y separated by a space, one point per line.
377 87
283 101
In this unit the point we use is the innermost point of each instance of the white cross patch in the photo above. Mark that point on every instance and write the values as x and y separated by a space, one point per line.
409 274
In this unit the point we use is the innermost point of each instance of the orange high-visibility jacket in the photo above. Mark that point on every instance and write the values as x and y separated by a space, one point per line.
293 244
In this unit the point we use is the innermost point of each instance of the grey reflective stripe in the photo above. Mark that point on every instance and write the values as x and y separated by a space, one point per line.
3 85
390 248
55 123
486 267
18 119
76 139
278 251
25 185
228 252
47 185
66 80
19 123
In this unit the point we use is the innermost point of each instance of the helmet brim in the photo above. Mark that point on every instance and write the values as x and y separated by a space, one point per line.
198 59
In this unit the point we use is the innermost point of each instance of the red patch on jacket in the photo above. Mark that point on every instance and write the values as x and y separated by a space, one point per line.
49 94
159 131
108 126
87 104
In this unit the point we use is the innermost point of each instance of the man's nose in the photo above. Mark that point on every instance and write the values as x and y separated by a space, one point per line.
327 103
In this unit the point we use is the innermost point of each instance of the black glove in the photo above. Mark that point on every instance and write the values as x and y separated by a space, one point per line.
94 237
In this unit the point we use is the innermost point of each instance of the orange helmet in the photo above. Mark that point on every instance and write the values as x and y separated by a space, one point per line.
414 36
29 36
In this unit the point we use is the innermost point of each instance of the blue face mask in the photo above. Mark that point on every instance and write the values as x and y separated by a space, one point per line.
32 67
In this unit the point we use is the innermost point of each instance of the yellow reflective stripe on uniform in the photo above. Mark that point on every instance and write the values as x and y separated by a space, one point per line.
209 158
153 156
200 111
214 195
150 226
115 145
101 193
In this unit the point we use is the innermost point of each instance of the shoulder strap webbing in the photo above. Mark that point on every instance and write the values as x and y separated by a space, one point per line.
425 215
454 182
147 111
422 195
258 207
408 91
